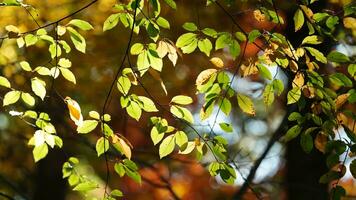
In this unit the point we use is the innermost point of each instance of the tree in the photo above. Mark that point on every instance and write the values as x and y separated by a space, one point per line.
162 123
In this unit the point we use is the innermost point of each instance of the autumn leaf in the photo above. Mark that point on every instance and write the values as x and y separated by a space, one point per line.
74 111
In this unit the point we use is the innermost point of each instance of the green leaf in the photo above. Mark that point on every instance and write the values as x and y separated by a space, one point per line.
292 133
189 26
225 106
182 100
102 145
264 71
136 49
253 35
298 20
87 126
162 22
338 57
246 104
234 48
331 22
317 54
210 32
205 46
167 146
182 113
111 21
222 41
85 186
226 127
67 74
64 62
116 193
306 142
28 99
278 86
134 110
55 50
123 84
185 39
11 97
156 136
353 168
85 26
154 60
38 87
340 80
148 104
30 40
293 95
25 66
181 138
171 3
268 95
313 39
240 36
77 39
4 82
39 152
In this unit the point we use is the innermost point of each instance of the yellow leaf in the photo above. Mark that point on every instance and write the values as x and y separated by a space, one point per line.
74 111
298 80
162 49
217 62
204 76
350 22
259 16
308 12
123 143
340 100
347 121
320 142
293 66
308 91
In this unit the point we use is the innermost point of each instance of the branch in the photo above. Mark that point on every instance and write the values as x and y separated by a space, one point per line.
57 21
274 138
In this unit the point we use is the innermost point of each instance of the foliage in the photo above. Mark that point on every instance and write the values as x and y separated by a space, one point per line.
319 102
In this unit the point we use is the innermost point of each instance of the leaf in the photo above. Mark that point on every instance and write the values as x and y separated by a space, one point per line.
136 49
217 62
246 104
30 40
25 66
40 152
205 46
111 21
264 71
102 145
85 186
226 127
320 142
204 76
292 133
182 100
11 97
298 20
171 3
123 143
182 113
341 100
87 126
353 168
298 80
253 35
77 39
148 104
312 39
293 95
85 26
167 146
123 85
338 57
306 142
225 106
181 138
209 32
28 98
74 111
64 62
340 80
268 95
4 82
162 22
67 74
317 54
189 148
156 136
189 26
134 110
185 39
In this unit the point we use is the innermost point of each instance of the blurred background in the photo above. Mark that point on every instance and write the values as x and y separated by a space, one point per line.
286 172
